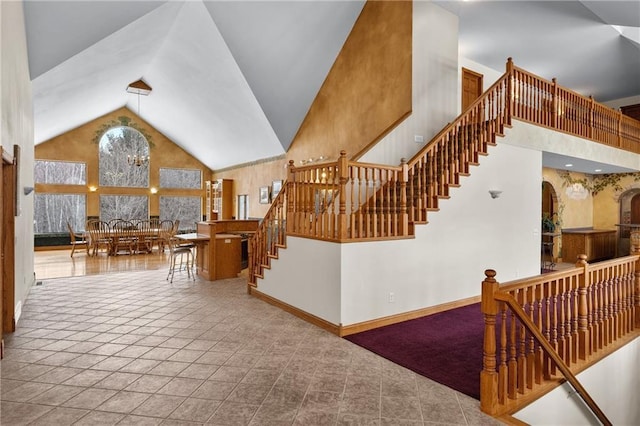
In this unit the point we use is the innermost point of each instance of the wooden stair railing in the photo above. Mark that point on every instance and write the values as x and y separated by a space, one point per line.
268 238
348 201
553 355
565 320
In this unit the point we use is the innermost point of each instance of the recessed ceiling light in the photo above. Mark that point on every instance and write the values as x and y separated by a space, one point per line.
568 165
598 170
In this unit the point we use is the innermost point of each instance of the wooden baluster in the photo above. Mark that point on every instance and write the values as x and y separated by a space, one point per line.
547 329
488 375
554 320
562 318
403 220
353 206
512 364
290 197
343 178
600 311
531 300
635 250
522 364
539 354
606 308
555 105
574 320
503 370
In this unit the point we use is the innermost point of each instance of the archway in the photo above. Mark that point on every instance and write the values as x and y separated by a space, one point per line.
629 214
549 241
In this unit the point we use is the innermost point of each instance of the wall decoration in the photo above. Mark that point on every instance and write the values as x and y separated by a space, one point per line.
276 187
264 195
122 121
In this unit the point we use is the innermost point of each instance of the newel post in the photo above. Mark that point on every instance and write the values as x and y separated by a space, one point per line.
404 216
619 129
291 190
635 250
510 90
584 334
554 104
591 116
343 178
489 375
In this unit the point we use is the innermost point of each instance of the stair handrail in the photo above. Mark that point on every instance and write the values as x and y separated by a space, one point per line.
268 237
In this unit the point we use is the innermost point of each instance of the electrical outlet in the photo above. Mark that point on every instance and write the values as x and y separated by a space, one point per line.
418 138
392 297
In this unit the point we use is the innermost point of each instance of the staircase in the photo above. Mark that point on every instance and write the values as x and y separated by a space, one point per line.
348 201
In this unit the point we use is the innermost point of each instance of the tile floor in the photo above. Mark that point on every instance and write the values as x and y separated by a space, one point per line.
132 349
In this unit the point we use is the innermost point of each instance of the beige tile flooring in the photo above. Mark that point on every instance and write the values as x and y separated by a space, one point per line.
130 348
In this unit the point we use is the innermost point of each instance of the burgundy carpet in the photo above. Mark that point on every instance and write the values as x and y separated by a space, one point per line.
445 347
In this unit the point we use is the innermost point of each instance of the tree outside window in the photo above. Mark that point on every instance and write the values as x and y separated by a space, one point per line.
116 146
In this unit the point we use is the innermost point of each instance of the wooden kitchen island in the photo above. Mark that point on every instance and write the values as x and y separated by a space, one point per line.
597 244
219 247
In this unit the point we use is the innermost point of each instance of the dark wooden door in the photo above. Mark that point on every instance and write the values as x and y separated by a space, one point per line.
635 209
632 111
471 87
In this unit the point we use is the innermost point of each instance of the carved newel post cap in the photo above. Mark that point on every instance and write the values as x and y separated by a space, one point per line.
490 273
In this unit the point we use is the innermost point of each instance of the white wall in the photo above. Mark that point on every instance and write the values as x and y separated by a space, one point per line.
16 128
435 78
538 138
306 275
613 384
447 258
350 283
615 104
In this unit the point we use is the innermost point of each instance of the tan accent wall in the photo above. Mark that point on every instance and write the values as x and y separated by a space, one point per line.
78 145
575 213
366 93
368 89
248 180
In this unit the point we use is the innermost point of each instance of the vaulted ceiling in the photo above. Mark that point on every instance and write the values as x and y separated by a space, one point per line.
233 80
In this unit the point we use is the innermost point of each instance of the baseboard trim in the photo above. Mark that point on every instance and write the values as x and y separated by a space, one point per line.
341 330
405 316
317 321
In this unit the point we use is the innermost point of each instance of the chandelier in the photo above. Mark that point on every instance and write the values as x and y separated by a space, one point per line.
137 160
139 88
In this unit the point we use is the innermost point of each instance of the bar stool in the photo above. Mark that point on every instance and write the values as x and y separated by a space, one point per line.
177 251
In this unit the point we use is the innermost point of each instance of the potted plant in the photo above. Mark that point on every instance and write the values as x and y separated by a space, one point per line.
548 225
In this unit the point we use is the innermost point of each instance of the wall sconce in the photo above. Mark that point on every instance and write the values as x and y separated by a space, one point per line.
93 188
495 193
153 190
27 190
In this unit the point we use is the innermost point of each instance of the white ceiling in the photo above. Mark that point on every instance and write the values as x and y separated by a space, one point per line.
233 80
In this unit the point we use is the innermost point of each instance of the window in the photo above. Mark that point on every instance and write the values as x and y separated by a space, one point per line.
243 206
116 146
181 178
51 212
186 209
60 172
128 207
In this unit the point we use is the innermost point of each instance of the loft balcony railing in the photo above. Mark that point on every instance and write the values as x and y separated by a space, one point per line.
349 201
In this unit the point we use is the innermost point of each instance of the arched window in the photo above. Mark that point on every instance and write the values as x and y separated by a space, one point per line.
118 147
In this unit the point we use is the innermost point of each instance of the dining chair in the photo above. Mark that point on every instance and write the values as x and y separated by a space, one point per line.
99 236
146 237
78 239
125 237
178 251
